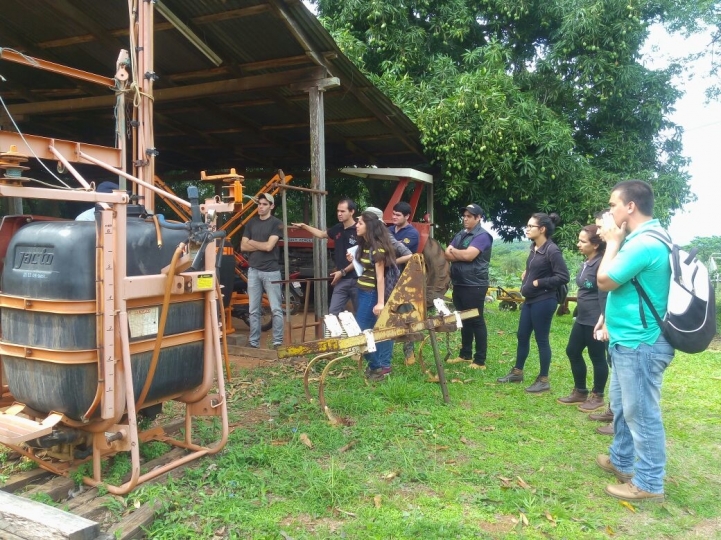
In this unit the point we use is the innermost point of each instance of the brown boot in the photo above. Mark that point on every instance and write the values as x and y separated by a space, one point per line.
540 385
605 416
605 430
594 401
629 492
514 376
574 398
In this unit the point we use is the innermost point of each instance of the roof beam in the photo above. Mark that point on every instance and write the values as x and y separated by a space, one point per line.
321 60
230 86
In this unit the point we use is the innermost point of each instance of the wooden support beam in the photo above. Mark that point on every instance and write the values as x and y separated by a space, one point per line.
230 86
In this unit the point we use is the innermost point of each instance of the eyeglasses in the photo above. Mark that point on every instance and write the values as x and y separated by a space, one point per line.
533 227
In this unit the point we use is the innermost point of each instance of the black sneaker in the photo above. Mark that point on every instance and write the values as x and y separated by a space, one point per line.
379 374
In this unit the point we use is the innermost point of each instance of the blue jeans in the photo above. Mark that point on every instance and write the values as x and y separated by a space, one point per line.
366 319
536 318
259 281
639 441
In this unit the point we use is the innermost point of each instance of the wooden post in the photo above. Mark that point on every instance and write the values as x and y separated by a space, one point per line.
317 174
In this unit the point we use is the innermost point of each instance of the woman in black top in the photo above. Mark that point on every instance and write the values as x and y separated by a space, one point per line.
545 272
591 305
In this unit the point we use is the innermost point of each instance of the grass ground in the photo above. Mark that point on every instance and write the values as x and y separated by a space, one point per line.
495 463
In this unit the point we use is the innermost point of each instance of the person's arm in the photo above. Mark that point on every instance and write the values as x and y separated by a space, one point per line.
380 287
312 230
463 255
614 237
246 244
403 254
559 271
255 245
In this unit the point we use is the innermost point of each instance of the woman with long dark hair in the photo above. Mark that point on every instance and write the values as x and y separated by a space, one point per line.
545 272
375 253
591 305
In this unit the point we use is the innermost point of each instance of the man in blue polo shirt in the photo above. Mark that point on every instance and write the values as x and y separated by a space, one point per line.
639 352
406 234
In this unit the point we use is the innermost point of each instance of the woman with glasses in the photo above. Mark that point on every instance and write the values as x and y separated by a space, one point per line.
545 272
374 253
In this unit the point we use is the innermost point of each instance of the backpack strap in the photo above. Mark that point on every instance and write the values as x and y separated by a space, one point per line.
642 296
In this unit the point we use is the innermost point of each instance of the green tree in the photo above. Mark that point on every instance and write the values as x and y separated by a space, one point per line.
706 246
523 106
696 17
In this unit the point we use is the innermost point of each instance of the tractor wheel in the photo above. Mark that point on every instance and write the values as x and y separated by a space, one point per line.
438 274
505 305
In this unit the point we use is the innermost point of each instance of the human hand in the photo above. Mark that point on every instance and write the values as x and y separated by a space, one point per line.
610 232
600 332
299 225
336 277
378 308
535 283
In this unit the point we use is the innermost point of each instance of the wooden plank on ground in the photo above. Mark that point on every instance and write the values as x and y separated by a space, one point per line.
251 352
56 488
37 521
132 526
20 480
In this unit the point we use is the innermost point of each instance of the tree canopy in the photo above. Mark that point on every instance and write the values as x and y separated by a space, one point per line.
524 106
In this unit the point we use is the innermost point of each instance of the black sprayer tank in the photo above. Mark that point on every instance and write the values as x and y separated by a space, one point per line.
55 261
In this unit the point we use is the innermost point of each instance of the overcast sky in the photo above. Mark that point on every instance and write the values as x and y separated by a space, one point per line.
702 136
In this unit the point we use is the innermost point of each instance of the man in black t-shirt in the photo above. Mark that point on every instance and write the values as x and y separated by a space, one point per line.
343 235
260 240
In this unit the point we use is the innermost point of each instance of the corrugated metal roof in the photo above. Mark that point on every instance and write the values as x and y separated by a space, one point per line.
253 128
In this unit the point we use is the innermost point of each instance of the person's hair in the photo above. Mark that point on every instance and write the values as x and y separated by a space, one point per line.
350 203
637 191
375 239
599 214
403 207
594 238
548 221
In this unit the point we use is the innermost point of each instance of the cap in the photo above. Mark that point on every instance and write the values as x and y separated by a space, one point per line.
377 211
268 197
473 209
106 187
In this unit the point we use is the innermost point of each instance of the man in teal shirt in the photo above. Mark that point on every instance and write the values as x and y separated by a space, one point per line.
639 352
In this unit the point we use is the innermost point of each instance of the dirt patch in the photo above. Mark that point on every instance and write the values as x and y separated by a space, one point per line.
715 344
502 525
706 529
308 524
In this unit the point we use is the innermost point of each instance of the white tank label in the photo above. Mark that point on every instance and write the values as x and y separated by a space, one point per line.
143 321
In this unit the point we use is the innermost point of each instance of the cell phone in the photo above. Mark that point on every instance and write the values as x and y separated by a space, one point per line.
608 221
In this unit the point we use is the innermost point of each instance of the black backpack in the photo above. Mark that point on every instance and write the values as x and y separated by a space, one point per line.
690 321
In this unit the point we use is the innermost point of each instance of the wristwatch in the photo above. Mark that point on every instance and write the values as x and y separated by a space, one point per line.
342 272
